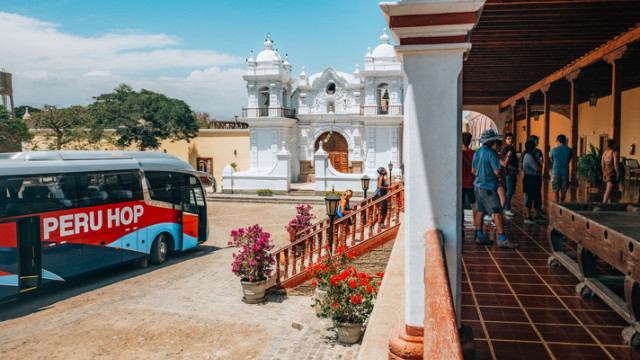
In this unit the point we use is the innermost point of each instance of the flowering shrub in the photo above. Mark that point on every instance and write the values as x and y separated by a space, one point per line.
253 262
350 297
302 220
323 270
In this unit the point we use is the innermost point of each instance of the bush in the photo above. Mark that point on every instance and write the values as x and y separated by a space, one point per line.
253 262
264 192
350 297
302 220
589 166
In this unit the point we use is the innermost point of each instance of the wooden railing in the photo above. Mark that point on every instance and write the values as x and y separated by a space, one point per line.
441 338
362 224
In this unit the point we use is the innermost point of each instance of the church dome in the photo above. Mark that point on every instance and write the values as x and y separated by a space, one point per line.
268 54
384 50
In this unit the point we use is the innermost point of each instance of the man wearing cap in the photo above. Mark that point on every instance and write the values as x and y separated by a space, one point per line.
486 168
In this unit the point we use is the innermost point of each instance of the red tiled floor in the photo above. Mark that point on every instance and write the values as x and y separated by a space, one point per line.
511 331
565 334
546 301
577 352
520 350
503 314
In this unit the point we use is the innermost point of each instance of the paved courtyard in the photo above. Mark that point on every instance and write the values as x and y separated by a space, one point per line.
188 308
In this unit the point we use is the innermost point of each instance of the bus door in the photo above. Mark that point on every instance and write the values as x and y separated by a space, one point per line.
189 219
9 261
202 215
30 253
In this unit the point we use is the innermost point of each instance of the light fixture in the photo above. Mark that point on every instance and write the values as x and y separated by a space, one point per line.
390 168
593 99
365 184
536 111
331 202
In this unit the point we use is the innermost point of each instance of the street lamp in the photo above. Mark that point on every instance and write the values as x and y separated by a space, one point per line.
331 203
365 184
390 168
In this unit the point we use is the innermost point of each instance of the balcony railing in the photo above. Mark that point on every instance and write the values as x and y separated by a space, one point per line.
268 112
380 110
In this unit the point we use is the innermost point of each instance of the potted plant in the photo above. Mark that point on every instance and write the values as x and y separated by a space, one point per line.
349 302
323 270
252 264
589 166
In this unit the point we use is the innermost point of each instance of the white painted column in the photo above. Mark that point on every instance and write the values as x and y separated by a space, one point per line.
432 131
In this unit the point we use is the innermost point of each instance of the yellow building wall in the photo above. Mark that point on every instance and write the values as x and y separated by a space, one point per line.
537 128
223 146
594 121
630 123
559 125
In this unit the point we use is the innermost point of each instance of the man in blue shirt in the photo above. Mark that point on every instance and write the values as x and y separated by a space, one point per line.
486 168
560 157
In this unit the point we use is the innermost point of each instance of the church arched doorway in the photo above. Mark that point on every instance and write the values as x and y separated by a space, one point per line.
338 150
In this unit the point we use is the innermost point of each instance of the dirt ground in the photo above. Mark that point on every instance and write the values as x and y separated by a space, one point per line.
187 308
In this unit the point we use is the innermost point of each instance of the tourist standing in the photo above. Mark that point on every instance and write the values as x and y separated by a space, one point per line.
345 209
486 168
467 175
610 169
540 158
560 157
532 184
509 157
383 188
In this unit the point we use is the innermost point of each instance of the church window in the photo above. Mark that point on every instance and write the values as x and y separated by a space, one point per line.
331 88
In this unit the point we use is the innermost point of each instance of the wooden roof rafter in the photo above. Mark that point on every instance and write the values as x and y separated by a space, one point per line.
610 48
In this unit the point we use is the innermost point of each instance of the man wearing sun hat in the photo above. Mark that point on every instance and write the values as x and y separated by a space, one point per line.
486 168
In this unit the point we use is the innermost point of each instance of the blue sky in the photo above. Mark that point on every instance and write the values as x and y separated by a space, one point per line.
67 51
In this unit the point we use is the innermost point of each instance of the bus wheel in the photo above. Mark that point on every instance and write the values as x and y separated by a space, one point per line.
159 250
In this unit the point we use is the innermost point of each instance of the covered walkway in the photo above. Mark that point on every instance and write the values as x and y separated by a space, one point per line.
520 308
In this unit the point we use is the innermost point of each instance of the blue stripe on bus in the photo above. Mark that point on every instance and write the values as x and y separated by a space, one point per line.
189 242
9 280
149 233
50 276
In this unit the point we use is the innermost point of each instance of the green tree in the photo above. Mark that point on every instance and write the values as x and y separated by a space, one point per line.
12 130
64 125
144 118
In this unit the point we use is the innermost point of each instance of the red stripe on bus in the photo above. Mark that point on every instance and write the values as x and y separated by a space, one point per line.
9 236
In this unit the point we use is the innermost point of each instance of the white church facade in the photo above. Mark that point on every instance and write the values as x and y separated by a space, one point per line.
328 128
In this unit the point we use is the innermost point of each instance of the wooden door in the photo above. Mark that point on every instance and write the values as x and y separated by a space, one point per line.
338 150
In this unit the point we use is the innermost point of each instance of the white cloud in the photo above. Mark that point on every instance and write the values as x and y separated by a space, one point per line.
53 67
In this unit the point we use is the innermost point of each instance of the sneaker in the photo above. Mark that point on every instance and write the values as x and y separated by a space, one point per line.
540 220
509 213
508 244
529 221
484 241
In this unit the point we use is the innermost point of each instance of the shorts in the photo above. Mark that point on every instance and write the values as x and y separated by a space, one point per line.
559 183
488 201
469 194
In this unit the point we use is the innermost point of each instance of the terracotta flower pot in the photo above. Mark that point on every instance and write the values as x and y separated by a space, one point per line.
253 291
349 333
319 295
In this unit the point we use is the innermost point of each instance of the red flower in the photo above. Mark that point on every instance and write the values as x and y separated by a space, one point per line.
352 284
335 304
313 283
380 274
352 254
364 282
356 299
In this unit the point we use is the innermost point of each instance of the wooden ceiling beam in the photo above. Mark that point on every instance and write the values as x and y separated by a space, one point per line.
584 61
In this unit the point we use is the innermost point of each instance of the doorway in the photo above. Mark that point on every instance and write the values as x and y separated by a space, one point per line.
338 150
30 254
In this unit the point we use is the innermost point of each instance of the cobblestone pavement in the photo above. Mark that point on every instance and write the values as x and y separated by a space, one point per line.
188 308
